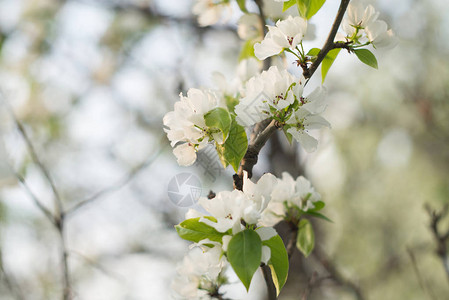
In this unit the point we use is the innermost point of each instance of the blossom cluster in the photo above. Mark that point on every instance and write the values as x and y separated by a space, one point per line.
362 27
258 206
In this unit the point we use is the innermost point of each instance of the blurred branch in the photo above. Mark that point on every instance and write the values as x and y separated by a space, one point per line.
9 281
442 238
329 44
336 275
118 185
271 289
424 285
311 284
57 218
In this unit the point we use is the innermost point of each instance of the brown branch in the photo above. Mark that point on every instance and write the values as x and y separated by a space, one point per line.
442 239
336 275
271 289
329 44
252 154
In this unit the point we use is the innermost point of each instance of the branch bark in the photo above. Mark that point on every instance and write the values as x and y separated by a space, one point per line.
329 44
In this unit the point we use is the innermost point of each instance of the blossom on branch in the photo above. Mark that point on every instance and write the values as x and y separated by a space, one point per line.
287 34
200 274
267 95
289 196
209 12
187 130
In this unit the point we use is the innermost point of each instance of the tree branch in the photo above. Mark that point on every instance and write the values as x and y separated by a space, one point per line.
329 44
252 154
442 239
336 274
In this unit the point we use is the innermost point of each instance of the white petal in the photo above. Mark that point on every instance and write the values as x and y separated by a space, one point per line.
185 154
266 254
266 233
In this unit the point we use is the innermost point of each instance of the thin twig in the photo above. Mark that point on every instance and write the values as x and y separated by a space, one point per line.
35 199
424 286
115 187
336 275
9 281
57 218
442 239
329 44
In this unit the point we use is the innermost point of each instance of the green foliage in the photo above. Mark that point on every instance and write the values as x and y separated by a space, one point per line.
219 118
366 57
242 5
234 149
193 230
327 62
313 52
308 8
305 239
278 262
247 50
244 254
288 4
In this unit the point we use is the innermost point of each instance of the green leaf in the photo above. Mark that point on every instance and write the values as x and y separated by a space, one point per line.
319 205
193 230
327 62
219 118
234 149
308 8
318 215
313 52
366 57
244 254
278 262
247 50
242 5
288 4
287 135
314 7
305 239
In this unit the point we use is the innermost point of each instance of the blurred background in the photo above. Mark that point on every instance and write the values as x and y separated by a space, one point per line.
84 85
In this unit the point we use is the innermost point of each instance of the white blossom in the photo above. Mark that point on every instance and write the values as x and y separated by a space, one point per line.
362 26
199 273
209 12
272 89
287 34
186 128
231 208
289 193
306 118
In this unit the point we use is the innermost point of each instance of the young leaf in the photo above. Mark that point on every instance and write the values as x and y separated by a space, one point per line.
247 50
242 5
244 254
305 239
278 262
308 8
319 205
314 7
287 135
366 57
327 62
288 4
318 215
193 230
234 149
219 118
313 52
